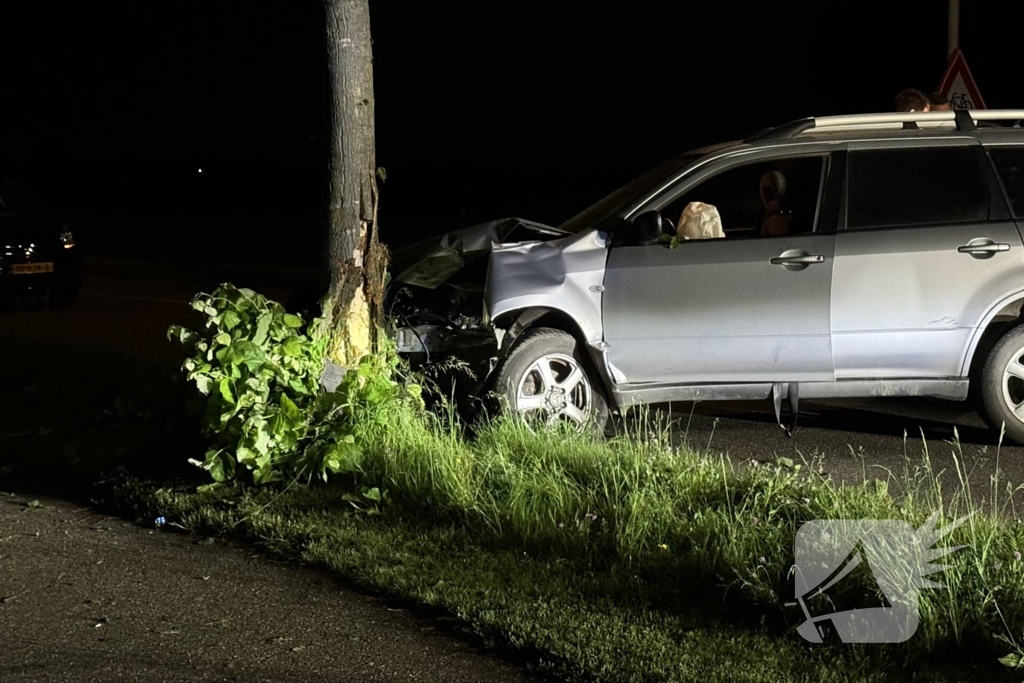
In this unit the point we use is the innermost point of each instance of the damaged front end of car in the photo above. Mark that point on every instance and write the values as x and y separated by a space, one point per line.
436 301
459 301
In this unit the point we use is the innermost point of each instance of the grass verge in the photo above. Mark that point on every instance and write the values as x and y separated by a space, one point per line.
623 560
579 624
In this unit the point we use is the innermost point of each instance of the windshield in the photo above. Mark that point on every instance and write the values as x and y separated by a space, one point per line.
627 194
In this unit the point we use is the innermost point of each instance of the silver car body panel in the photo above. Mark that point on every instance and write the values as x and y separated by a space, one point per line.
951 388
719 311
565 275
1012 303
907 303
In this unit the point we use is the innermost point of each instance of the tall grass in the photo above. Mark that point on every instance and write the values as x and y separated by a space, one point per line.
682 523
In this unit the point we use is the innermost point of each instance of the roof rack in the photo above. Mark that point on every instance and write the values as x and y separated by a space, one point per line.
963 120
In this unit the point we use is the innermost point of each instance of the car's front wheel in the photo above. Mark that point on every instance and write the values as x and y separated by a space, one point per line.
1002 385
546 379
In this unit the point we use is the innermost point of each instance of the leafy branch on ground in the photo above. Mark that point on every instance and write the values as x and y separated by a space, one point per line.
258 369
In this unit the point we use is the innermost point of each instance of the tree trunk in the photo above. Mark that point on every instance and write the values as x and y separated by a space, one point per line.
352 308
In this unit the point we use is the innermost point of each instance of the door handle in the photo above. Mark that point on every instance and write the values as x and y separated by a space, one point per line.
796 259
982 248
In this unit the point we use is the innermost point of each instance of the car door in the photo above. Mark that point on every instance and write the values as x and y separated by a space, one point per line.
734 310
925 247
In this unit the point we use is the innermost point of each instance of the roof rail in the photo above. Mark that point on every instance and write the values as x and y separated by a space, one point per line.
962 120
997 114
786 130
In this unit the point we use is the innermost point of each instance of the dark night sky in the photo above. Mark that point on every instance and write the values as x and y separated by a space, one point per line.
483 109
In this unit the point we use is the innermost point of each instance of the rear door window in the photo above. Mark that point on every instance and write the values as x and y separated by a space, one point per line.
1009 163
915 187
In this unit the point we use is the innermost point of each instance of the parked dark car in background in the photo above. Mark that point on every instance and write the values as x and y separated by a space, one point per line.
39 257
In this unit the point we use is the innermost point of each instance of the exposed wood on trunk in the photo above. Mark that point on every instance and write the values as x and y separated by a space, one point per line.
357 260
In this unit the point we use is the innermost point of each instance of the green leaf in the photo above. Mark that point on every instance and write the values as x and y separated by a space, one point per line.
279 425
262 326
298 387
231 320
180 333
265 475
223 338
293 321
289 408
246 456
263 439
292 347
1012 660
225 391
222 467
203 384
242 352
372 494
342 458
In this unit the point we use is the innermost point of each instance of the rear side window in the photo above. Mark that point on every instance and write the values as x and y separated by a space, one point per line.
1009 163
915 187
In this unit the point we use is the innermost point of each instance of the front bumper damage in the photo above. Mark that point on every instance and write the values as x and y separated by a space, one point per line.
437 300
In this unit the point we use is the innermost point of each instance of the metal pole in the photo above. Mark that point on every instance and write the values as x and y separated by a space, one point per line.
953 36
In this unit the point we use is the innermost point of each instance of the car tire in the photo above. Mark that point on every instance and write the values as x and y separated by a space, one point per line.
539 380
1002 385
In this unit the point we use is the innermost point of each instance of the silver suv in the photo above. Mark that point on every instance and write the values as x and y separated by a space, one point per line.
871 255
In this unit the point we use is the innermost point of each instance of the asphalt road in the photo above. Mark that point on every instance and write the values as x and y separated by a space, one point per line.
89 598
899 441
128 306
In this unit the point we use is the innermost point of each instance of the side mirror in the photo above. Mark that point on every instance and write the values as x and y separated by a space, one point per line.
648 227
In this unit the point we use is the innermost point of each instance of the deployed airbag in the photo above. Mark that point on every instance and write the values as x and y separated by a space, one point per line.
700 221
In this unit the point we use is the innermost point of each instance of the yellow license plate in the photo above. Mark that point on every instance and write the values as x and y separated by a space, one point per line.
31 268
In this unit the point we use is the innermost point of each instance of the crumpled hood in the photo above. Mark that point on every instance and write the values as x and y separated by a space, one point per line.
433 261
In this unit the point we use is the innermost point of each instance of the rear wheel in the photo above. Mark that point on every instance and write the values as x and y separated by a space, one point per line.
1002 385
546 379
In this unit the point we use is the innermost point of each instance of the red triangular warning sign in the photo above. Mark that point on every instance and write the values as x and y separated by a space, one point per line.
958 84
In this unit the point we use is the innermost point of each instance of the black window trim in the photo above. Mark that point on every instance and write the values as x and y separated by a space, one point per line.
831 199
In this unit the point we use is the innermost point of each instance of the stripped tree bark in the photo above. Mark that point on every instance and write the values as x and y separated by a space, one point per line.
352 309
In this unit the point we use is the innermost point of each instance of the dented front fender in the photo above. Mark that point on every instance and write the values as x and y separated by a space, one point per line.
565 275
